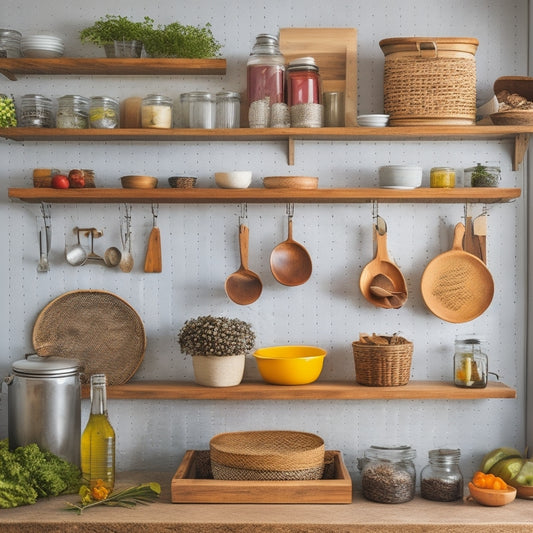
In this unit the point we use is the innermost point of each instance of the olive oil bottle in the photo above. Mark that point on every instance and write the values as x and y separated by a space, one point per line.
98 439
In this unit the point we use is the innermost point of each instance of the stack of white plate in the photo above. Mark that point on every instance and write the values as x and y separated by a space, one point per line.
400 177
373 121
42 46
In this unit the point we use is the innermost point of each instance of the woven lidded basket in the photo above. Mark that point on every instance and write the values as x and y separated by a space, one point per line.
383 365
430 80
267 455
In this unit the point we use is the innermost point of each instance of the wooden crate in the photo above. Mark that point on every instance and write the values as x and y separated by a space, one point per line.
190 485
335 52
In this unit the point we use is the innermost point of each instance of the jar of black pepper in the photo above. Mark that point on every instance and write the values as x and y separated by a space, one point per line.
441 480
388 474
36 112
72 112
104 112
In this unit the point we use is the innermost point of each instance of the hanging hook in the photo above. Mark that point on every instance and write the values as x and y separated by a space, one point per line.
244 213
375 209
155 211
290 210
47 220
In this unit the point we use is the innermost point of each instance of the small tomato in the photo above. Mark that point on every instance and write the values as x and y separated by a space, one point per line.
76 178
60 181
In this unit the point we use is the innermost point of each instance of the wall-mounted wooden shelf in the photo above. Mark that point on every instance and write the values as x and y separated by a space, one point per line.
336 390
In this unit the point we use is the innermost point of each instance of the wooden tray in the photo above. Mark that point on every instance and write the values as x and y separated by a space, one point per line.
335 52
191 484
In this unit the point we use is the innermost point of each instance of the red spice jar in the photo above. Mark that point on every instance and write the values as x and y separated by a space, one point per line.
304 93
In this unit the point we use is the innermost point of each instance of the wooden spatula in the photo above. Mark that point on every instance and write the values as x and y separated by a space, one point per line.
153 261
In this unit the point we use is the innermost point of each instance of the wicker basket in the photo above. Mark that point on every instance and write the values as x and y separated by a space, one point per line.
267 455
43 179
382 365
430 80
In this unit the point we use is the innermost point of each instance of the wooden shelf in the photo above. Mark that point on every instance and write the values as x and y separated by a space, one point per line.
260 195
90 66
414 390
518 134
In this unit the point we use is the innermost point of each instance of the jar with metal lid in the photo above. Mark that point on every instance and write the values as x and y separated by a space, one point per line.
470 363
202 109
104 112
441 480
228 109
10 43
36 112
487 175
44 405
265 76
442 177
156 111
304 93
72 112
388 474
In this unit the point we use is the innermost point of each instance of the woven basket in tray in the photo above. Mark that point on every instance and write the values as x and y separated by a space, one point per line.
382 365
262 455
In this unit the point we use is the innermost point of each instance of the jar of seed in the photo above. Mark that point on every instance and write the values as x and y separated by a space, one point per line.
441 480
104 112
36 112
388 474
72 112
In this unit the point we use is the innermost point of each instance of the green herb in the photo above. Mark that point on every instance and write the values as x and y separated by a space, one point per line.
140 494
8 116
28 473
115 28
208 335
481 177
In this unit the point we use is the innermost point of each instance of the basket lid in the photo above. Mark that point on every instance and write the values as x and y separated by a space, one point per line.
414 44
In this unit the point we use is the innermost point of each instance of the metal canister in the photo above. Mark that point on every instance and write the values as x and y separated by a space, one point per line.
44 405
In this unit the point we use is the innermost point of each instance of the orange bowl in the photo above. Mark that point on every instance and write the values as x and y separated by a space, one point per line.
492 497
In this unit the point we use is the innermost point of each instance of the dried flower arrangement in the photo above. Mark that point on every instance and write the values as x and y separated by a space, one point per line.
208 335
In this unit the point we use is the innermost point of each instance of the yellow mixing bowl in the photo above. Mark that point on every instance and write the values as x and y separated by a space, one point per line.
290 365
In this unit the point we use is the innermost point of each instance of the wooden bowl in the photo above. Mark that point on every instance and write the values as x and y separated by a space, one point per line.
492 497
138 182
290 182
516 117
526 493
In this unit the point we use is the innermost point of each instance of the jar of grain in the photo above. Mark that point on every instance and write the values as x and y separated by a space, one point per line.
104 112
443 177
441 480
156 111
388 474
72 112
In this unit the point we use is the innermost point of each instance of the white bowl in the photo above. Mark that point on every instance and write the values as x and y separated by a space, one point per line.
373 121
237 179
400 176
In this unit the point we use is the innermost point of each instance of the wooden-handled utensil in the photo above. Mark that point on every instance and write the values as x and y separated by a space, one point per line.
480 231
153 261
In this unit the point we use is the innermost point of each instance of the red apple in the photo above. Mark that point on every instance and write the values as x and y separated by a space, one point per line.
60 181
76 178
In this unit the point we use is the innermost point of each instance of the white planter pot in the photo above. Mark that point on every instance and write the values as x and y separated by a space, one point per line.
218 371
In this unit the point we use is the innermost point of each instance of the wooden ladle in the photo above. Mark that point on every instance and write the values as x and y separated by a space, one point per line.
290 262
243 286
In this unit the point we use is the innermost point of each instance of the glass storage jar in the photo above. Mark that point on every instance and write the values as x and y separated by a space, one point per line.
156 111
104 112
487 175
265 77
202 109
442 177
388 474
228 109
72 112
10 43
441 480
470 363
36 112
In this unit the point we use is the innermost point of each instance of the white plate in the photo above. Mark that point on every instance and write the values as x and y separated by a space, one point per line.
396 187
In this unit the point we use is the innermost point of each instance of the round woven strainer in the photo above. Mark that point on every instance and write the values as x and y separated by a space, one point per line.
97 328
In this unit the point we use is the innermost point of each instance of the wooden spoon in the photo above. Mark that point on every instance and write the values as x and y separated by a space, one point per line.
243 286
290 262
152 260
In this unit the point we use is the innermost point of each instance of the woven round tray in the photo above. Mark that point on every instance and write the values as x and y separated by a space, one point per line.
97 328
268 451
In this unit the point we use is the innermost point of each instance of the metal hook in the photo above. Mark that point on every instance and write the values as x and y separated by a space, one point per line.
290 210
244 213
155 211
375 209
47 221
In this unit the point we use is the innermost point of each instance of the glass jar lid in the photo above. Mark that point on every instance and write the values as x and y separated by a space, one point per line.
157 99
202 96
390 453
228 94
265 43
303 63
444 456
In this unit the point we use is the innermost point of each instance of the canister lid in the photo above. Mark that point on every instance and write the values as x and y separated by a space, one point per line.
303 62
36 365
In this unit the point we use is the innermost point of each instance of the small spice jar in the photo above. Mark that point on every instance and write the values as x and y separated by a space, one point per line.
72 112
443 177
228 109
441 480
36 112
156 111
470 363
388 474
104 112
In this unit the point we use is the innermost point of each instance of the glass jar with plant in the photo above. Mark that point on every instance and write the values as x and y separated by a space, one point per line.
218 346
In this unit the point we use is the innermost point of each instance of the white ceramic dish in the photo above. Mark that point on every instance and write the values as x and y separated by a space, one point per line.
236 179
400 176
373 121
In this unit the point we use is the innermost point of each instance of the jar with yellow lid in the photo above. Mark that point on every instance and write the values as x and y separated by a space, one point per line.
443 177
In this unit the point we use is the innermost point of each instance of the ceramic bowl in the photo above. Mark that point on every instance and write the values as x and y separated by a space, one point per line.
373 121
290 365
138 182
400 176
236 179
492 497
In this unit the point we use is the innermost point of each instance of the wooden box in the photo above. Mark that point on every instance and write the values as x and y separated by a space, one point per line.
335 53
191 484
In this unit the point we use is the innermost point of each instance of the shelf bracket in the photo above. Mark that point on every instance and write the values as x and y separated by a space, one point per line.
521 143
8 74
290 151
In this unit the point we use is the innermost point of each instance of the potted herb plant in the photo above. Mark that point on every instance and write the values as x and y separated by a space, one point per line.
218 346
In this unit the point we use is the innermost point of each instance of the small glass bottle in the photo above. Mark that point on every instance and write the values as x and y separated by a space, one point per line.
265 76
202 110
36 112
156 112
470 363
228 109
388 474
72 112
104 112
441 480
442 177
98 439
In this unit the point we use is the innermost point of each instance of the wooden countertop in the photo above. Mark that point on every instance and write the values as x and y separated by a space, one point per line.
417 516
